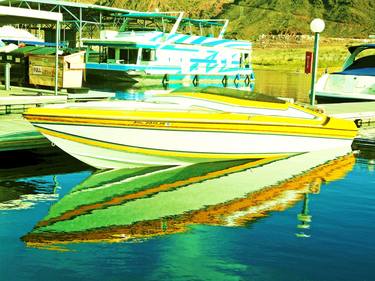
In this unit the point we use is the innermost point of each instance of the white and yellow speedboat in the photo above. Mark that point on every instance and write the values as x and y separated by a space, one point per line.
188 126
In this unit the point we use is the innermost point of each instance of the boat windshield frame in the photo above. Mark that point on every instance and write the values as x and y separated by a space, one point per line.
354 52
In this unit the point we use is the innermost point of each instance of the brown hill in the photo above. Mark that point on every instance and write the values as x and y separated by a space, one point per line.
250 18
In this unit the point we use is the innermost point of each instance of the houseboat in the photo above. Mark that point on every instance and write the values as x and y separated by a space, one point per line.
164 47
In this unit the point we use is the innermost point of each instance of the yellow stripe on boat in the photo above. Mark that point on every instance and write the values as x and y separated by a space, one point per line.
158 152
334 128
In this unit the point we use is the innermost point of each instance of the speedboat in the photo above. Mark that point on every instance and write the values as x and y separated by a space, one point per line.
355 82
187 126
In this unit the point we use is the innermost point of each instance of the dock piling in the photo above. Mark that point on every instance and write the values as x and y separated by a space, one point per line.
7 76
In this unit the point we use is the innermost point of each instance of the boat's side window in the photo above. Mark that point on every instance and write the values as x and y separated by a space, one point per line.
245 60
148 54
111 54
128 56
103 55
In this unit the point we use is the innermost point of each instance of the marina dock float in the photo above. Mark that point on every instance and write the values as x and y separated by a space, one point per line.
91 95
18 134
355 110
19 98
361 112
17 104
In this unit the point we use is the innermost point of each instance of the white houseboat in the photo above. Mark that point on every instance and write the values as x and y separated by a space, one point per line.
167 47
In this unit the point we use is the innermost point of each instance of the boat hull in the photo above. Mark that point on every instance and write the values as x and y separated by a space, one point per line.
98 76
338 88
109 147
107 77
340 97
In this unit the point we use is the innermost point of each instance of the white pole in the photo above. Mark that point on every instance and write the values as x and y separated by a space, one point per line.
80 28
57 57
316 26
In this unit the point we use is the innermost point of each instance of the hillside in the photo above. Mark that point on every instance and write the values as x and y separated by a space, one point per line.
250 18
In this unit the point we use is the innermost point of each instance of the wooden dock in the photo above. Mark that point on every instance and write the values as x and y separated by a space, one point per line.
15 132
363 112
18 134
356 110
18 104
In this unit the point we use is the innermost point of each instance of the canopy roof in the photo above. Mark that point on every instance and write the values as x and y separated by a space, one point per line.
168 17
72 11
12 15
44 3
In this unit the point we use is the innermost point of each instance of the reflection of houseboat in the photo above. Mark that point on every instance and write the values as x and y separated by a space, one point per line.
123 204
355 82
162 46
186 127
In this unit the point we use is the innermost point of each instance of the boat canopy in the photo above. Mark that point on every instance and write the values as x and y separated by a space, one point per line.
170 18
173 19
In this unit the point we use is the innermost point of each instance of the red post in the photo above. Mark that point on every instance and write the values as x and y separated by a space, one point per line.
308 62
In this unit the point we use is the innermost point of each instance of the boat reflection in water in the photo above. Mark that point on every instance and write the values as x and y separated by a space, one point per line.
125 204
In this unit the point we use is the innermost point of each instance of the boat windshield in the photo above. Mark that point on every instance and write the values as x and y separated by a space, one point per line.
233 93
360 57
363 61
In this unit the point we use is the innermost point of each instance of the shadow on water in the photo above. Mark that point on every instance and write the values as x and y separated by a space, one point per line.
37 162
118 205
17 167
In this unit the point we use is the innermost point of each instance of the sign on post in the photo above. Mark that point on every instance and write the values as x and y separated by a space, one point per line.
308 62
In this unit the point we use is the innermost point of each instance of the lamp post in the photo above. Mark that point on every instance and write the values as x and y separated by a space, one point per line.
316 26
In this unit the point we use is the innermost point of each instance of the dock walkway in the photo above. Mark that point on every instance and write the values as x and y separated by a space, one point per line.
18 134
18 99
356 110
363 111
